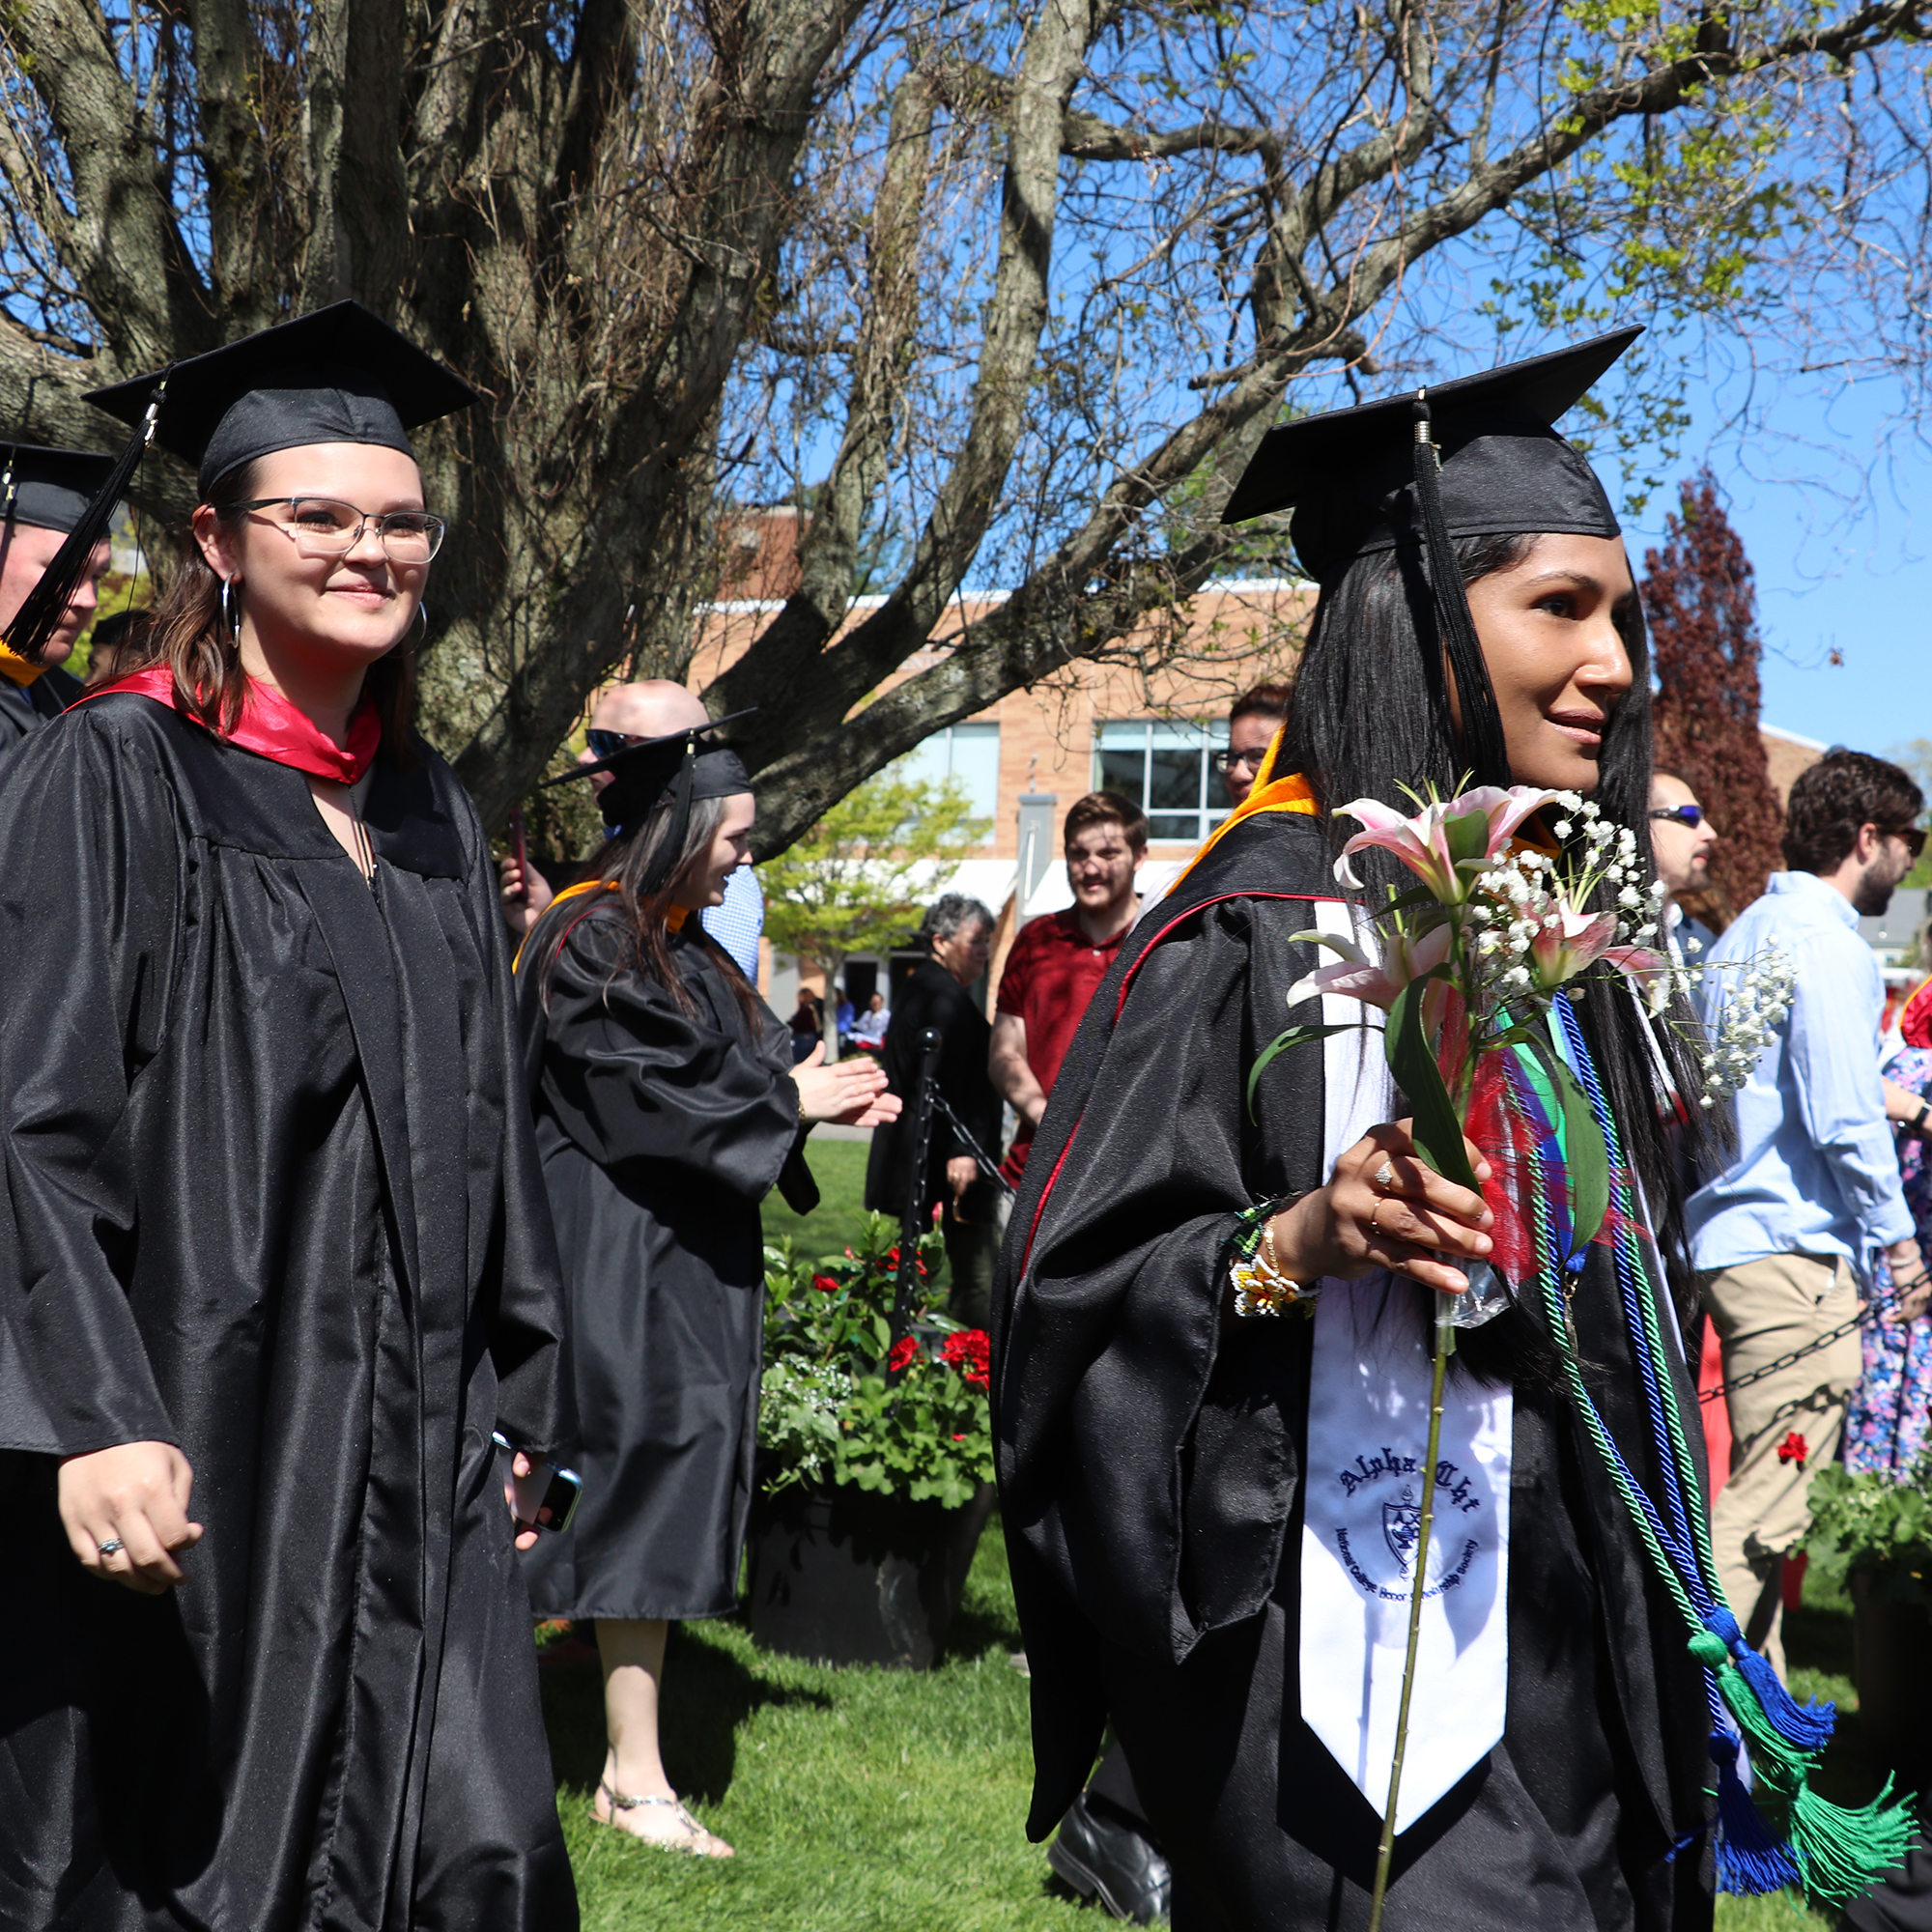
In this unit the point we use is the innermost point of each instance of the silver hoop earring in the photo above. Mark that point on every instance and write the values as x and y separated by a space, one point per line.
423 618
230 619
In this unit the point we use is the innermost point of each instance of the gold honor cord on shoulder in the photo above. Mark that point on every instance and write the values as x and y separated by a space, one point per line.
1292 793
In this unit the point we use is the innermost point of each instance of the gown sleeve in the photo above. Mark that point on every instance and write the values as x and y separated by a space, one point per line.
93 855
636 1083
1152 1459
523 1280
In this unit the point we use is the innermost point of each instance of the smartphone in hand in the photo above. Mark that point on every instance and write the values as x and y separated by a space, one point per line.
547 1497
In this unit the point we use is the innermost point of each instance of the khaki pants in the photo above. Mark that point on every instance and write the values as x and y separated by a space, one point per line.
1762 1310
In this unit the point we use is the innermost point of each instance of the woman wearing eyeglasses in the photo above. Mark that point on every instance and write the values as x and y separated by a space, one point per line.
276 1261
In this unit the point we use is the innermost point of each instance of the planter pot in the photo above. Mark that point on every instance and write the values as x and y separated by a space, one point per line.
1891 1643
844 1575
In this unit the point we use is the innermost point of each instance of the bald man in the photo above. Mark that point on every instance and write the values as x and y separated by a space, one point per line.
629 714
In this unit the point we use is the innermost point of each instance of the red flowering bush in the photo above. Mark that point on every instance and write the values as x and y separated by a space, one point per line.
842 1402
970 1351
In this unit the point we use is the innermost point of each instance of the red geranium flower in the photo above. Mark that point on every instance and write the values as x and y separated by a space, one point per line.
1793 1449
902 1351
970 1352
824 1283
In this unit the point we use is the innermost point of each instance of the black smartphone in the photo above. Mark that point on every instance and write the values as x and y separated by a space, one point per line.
560 1493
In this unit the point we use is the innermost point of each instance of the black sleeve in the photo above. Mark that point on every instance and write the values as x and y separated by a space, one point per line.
1155 1468
633 1078
524 1282
92 859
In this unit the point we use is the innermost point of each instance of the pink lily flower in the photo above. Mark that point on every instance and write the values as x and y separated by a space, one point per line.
1581 938
1357 977
1422 842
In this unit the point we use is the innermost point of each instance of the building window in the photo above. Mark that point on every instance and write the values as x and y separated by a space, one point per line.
968 752
1166 766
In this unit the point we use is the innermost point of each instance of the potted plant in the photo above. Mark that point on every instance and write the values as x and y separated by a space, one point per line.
875 1459
1874 1531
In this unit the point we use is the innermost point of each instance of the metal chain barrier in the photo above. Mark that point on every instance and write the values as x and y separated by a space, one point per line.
987 1165
1869 1313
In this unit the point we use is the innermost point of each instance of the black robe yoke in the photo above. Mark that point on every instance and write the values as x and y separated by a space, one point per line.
660 1133
25 709
1151 1486
270 1196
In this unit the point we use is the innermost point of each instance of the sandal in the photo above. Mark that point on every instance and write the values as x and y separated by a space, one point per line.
695 1838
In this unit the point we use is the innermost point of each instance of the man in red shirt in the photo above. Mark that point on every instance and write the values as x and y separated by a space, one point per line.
1058 961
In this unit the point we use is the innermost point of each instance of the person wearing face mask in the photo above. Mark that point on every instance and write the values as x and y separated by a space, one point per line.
1203 1508
958 934
44 494
666 1109
276 1263
1680 839
1785 1235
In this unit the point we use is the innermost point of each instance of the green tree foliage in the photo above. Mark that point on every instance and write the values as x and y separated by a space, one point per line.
857 880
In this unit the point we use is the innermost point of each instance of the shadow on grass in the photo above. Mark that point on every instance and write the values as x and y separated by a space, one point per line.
708 1694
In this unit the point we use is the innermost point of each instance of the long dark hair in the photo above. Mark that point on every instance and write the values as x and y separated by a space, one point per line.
189 635
1370 717
621 868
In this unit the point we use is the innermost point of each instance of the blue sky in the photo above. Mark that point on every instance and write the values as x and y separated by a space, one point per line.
1831 493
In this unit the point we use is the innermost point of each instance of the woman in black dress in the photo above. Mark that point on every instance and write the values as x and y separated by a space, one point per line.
668 1107
276 1261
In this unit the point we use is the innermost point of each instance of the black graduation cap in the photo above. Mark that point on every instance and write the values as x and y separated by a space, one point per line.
338 375
1475 456
641 775
50 488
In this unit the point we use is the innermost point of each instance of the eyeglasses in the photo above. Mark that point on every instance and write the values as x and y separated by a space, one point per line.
1227 757
607 744
1692 815
321 526
1911 836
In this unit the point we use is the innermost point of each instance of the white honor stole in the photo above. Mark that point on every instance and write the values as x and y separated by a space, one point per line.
1368 1433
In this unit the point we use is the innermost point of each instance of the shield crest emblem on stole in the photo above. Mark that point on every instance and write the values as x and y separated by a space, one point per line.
1402 1526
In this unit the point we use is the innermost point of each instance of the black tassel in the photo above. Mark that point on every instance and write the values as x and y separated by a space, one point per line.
38 617
663 862
1483 753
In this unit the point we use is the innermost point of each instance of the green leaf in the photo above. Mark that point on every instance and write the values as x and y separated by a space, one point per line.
1438 1133
1282 1042
1468 836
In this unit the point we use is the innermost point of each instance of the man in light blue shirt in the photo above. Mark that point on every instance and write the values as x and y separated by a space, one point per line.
1783 1237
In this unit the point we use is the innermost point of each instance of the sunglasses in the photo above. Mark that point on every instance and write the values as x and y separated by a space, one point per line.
1911 836
607 744
1692 815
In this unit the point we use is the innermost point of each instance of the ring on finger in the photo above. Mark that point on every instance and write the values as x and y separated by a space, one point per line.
1385 1175
112 1548
1375 1214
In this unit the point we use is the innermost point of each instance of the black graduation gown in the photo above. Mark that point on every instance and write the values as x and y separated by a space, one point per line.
660 1133
271 1196
1151 1486
931 996
25 709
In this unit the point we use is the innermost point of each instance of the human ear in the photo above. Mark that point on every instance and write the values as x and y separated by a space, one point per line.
213 542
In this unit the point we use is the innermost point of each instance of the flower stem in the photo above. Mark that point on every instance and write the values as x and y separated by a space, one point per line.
1445 1347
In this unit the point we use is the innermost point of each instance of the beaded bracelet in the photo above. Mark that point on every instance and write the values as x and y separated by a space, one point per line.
1261 1287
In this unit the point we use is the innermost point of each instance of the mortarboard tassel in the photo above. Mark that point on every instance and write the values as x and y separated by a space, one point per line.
1484 752
1751 1858
45 605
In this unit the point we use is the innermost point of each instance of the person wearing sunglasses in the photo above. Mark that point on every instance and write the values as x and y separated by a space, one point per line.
1681 839
627 714
1783 1237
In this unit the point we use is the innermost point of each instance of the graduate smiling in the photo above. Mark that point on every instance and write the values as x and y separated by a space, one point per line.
278 1262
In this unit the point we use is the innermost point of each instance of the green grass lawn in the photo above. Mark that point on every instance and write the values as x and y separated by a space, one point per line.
839 1169
893 1800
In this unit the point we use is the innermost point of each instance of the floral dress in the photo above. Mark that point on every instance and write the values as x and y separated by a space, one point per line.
1886 1422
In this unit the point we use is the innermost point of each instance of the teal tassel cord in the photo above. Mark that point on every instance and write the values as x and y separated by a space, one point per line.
1831 1851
